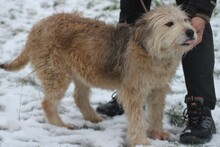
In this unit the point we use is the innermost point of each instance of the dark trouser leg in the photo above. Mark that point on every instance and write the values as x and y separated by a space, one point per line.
131 10
198 66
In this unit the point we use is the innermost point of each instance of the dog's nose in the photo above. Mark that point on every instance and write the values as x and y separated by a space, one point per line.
189 33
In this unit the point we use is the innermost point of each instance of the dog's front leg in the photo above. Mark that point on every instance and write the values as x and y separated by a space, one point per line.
132 100
155 107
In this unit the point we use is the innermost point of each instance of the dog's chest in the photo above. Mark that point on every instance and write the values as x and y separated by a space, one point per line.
159 75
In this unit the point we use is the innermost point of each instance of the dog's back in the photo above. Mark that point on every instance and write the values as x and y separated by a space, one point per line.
73 44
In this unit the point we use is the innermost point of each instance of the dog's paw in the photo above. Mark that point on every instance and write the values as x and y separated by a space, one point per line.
93 118
70 126
159 135
135 139
141 142
96 119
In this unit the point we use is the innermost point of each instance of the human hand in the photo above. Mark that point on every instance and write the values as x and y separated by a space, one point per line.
199 24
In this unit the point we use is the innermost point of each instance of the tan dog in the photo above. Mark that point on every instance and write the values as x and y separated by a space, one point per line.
138 61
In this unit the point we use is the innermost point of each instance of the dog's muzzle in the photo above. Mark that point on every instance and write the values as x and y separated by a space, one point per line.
190 34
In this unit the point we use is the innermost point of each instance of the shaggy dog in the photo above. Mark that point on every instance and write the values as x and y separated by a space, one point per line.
137 61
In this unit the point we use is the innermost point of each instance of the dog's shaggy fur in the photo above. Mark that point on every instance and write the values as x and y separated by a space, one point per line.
138 61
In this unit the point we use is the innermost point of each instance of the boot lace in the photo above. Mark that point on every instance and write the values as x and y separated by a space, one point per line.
194 113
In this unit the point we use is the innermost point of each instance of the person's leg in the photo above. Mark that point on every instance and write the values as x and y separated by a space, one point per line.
131 10
198 66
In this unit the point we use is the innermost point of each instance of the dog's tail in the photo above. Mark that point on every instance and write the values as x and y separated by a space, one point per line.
17 64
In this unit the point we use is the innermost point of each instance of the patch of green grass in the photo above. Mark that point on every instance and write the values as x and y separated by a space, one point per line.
175 115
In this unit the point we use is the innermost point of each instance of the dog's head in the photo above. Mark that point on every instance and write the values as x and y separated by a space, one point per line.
165 31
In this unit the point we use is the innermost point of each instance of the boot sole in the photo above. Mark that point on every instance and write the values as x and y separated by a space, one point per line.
193 140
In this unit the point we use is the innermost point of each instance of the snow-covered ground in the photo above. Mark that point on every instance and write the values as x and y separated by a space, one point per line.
22 122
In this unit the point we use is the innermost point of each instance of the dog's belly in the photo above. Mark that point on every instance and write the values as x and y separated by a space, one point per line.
97 77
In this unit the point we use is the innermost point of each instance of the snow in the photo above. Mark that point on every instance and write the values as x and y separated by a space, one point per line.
22 122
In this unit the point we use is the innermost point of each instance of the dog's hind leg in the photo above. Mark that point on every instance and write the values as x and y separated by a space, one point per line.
81 97
155 107
54 88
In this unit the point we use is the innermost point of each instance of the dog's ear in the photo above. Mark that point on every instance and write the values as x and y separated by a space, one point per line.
140 31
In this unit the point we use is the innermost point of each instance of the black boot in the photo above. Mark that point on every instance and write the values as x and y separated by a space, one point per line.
200 125
111 108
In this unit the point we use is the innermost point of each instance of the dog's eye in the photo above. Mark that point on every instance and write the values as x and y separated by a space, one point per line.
186 19
169 24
